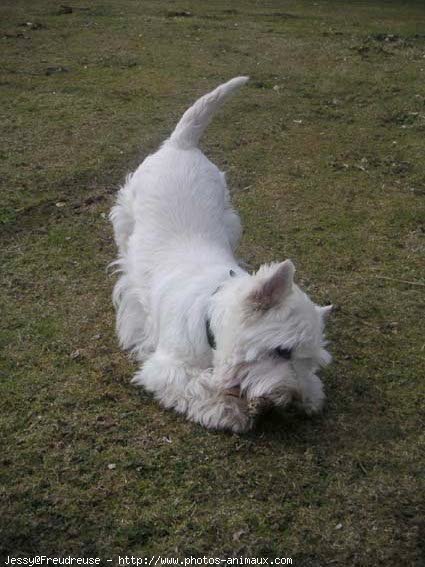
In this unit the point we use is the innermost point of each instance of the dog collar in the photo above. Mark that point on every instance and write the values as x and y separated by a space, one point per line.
235 392
210 334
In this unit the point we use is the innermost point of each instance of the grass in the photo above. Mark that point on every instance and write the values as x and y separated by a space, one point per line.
324 154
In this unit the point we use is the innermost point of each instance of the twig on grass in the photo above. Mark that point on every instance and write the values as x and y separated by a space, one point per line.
400 281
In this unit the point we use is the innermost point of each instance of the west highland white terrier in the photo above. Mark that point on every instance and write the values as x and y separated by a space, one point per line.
213 339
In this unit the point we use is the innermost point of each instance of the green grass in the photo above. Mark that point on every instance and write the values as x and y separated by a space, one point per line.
324 154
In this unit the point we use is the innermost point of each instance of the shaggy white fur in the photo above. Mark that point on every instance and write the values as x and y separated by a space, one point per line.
176 233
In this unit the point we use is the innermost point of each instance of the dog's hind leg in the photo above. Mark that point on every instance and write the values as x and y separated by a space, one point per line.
131 319
231 219
132 322
122 217
233 227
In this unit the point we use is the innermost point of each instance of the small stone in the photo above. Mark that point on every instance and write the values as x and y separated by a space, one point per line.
33 25
237 535
65 10
338 527
60 204
112 466
53 70
179 14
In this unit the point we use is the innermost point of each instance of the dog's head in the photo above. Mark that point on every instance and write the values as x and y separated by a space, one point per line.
269 334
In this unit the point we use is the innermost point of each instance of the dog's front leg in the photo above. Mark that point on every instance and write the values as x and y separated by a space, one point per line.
191 391
215 407
312 395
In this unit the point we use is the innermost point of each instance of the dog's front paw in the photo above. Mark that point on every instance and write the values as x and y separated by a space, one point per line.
238 416
313 407
235 420
313 396
224 412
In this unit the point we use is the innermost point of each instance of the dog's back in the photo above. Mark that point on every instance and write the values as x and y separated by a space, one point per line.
175 195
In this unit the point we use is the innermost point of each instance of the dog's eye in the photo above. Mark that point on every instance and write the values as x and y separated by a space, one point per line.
285 353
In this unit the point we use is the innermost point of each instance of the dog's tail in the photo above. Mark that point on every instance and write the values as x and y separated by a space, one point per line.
194 121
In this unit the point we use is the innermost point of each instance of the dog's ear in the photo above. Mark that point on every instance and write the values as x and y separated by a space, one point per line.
271 290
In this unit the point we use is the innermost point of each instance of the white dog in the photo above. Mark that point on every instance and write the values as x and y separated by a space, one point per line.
212 338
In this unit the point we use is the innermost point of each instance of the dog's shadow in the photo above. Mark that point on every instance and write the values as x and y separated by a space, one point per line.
290 424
